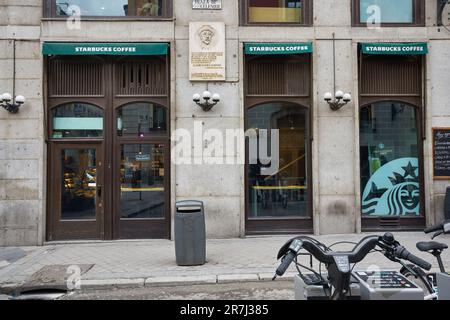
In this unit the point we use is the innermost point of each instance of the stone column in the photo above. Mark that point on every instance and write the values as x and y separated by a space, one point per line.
22 165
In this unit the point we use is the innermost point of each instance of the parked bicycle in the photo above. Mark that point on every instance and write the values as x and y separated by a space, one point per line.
339 263
428 281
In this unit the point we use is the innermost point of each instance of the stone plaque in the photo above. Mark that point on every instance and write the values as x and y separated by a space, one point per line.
207 51
207 4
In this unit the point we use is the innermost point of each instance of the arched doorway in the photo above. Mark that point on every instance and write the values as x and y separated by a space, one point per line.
278 185
278 192
392 113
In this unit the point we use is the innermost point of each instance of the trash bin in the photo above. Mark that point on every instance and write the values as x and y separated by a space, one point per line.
190 234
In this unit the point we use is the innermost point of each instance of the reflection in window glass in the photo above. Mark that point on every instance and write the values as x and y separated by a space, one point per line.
142 181
109 8
78 184
77 120
398 11
140 119
274 11
283 193
390 184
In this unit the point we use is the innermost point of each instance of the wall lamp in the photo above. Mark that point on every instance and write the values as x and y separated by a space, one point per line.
9 105
206 105
340 99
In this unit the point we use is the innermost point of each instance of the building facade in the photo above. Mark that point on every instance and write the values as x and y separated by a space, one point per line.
92 154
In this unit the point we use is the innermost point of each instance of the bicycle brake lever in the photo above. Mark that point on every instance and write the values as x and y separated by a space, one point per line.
437 234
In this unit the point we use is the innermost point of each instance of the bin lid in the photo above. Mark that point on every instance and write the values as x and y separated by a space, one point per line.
189 205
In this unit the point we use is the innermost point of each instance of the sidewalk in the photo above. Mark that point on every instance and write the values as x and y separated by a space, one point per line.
128 264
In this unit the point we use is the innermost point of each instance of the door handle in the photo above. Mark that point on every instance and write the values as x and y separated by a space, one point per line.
99 191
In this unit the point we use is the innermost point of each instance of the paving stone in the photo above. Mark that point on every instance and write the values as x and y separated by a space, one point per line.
11 254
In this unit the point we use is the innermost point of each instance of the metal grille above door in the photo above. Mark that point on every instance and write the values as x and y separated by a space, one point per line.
391 75
278 77
141 78
81 77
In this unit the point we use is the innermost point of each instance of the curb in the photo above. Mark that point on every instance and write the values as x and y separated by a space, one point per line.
180 281
232 278
164 281
112 283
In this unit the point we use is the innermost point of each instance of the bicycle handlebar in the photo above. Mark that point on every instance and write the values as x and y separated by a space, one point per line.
392 249
356 255
402 253
287 260
433 228
445 227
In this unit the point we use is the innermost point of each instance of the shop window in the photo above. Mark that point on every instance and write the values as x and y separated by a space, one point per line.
386 12
141 119
390 177
77 120
277 11
109 8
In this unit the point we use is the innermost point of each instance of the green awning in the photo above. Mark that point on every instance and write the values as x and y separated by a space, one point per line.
277 48
127 49
419 48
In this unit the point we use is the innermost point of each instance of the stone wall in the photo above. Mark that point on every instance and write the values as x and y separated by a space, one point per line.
22 165
219 186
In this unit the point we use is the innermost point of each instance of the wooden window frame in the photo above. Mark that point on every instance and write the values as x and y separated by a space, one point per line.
418 16
307 19
49 9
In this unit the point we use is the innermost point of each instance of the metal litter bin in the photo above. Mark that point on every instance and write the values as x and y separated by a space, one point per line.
190 234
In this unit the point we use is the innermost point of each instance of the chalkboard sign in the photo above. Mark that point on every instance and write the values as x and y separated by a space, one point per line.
441 153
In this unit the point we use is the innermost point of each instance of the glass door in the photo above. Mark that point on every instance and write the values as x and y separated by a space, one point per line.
279 192
77 192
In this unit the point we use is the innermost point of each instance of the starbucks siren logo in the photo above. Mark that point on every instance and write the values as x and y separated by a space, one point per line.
393 190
